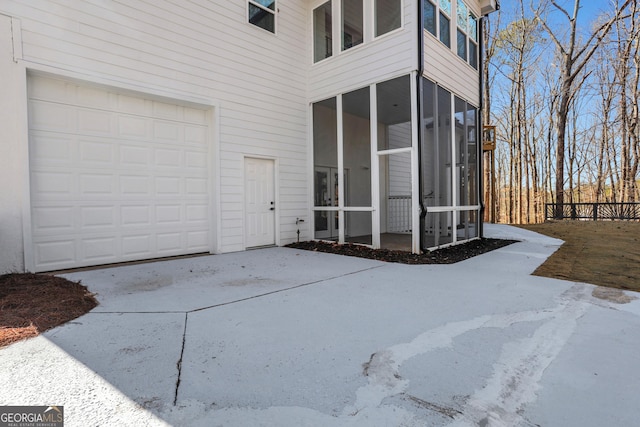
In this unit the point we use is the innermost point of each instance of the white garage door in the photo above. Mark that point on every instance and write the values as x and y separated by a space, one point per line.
114 177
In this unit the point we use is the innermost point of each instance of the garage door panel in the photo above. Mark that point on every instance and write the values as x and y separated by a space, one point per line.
169 243
135 185
51 89
99 249
166 157
198 240
99 153
51 117
113 177
135 215
168 186
51 254
195 160
91 97
52 148
137 245
49 185
168 132
134 155
97 184
196 186
98 217
195 134
94 122
195 116
134 105
169 214
133 127
53 219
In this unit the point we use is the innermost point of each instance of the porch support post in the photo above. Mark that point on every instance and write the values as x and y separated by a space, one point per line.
341 194
415 167
375 168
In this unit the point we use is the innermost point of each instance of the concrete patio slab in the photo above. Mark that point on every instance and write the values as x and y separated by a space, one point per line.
282 337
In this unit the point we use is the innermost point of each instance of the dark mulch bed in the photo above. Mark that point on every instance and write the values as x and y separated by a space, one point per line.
33 303
449 255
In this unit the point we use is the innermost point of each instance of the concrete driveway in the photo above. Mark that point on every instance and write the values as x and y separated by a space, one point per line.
283 337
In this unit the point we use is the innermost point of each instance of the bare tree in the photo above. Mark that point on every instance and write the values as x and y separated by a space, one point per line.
574 56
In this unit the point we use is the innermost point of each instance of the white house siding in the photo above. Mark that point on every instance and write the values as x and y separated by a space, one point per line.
444 67
382 58
201 51
13 162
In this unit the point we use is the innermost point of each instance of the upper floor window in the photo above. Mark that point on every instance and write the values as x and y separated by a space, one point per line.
429 17
473 40
351 29
322 29
437 16
352 23
388 16
461 33
262 13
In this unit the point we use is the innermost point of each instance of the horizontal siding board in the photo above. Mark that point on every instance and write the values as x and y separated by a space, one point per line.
444 67
373 61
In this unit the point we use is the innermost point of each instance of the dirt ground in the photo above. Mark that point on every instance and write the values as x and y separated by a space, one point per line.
447 255
604 253
33 303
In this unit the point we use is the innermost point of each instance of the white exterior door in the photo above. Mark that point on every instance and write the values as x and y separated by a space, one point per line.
260 215
114 177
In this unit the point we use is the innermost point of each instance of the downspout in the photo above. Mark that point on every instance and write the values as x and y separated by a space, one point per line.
480 130
423 210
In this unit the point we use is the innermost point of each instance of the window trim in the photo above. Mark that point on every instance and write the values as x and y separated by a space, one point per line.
266 9
342 26
373 22
453 25
337 25
333 31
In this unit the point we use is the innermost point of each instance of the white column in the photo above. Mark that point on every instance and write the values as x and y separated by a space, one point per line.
375 168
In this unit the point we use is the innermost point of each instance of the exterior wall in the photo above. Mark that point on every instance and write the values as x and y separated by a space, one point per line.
443 66
382 58
13 161
203 52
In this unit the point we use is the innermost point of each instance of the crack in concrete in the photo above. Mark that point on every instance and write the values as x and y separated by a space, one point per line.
284 289
179 363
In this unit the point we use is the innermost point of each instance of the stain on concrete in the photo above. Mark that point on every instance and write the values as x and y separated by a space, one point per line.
613 295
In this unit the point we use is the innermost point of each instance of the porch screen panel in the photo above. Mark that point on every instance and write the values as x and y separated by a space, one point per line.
357 147
429 149
358 227
444 156
461 167
472 152
325 158
394 113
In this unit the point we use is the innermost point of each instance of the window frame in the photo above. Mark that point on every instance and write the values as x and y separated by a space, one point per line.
331 50
463 30
257 4
343 47
374 23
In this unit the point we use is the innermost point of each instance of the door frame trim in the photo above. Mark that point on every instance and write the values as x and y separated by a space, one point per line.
276 196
